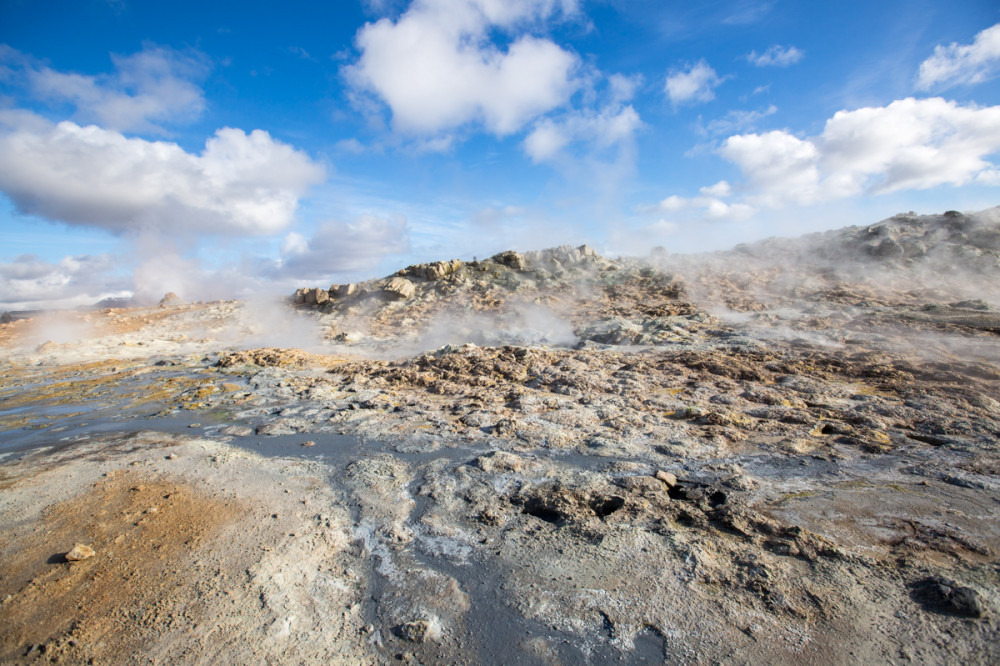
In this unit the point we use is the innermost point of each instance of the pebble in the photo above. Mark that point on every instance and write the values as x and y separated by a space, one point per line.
80 552
666 477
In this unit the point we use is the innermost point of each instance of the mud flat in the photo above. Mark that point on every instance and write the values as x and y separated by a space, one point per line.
544 458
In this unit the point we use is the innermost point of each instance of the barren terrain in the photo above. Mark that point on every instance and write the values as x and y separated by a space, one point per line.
785 453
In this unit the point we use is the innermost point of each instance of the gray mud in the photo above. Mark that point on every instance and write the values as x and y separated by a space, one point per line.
783 454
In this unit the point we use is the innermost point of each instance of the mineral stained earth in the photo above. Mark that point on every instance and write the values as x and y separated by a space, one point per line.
786 453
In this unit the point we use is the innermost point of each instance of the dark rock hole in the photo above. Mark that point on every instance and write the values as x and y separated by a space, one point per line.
929 439
677 492
605 506
716 499
546 513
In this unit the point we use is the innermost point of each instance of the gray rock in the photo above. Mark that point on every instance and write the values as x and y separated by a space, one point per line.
944 595
344 290
666 477
417 631
511 259
320 296
399 288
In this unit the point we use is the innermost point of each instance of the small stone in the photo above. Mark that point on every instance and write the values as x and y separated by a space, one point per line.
309 443
172 456
415 632
666 477
80 552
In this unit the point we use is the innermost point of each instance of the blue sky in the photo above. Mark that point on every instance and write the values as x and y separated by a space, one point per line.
228 148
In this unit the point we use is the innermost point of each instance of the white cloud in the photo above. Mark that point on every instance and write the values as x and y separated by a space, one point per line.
27 282
436 68
776 56
341 248
720 189
965 64
545 141
153 86
778 166
710 204
696 83
623 88
613 125
240 183
738 121
908 145
671 204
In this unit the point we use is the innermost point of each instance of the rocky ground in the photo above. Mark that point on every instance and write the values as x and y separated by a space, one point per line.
785 453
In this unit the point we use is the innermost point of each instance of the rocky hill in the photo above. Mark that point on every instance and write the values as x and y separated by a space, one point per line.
570 295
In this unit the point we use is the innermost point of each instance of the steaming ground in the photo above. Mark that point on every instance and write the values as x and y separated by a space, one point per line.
785 453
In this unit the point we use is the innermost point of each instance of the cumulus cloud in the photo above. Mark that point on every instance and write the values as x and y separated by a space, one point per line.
437 69
341 248
776 56
694 84
148 88
777 165
28 282
962 64
239 184
709 205
908 145
611 126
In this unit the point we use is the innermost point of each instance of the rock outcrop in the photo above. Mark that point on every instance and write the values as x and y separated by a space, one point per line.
398 288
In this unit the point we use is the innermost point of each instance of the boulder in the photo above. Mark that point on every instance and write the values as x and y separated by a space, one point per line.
399 288
318 296
440 269
344 290
6 318
511 259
